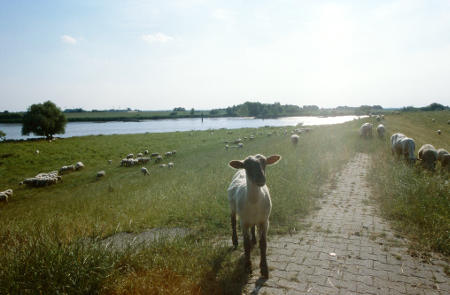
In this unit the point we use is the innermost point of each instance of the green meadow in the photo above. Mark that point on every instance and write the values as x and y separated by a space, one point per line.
50 238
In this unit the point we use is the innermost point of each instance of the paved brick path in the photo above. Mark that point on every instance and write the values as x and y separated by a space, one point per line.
347 250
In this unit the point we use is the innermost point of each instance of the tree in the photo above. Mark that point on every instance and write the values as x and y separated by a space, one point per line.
2 135
192 111
44 119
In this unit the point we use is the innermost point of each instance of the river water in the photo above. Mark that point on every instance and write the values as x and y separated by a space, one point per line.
13 131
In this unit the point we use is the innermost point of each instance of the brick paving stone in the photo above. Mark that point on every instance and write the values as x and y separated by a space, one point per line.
370 257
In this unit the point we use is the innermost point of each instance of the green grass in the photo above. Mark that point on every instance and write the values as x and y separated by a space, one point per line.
415 200
48 235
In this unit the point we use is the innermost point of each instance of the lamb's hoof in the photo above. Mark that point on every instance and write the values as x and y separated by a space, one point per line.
264 272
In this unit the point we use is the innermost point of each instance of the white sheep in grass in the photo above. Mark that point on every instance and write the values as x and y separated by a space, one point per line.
240 145
67 168
428 156
381 130
4 196
170 165
139 155
79 165
294 139
144 171
443 157
366 130
249 198
101 173
130 156
402 145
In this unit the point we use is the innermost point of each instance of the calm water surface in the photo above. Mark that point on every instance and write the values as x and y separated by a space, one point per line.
13 131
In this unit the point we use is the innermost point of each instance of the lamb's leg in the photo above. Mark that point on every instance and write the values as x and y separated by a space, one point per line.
253 236
262 229
234 236
247 246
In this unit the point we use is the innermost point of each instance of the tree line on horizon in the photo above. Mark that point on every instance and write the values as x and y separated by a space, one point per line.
46 119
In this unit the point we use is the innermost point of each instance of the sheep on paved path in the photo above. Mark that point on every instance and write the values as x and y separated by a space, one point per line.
249 198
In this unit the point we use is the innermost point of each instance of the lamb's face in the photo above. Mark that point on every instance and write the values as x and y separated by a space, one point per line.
255 168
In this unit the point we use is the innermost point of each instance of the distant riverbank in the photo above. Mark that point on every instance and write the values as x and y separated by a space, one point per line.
136 116
13 131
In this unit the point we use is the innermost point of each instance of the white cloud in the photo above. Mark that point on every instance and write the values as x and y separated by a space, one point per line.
222 14
68 39
158 37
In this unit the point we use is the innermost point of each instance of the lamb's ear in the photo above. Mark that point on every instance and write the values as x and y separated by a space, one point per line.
236 164
273 159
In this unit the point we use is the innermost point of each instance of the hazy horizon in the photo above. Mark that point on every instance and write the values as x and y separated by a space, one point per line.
153 55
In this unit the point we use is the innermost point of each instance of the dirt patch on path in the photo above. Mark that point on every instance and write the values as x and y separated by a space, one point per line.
348 249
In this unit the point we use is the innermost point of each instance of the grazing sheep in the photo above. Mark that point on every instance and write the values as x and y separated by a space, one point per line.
129 162
158 159
433 120
67 168
249 198
146 152
101 173
378 118
443 157
402 145
42 179
162 166
366 130
252 137
139 155
174 152
439 131
168 154
130 156
109 162
144 171
4 196
143 160
294 139
227 146
237 141
428 156
170 165
37 152
381 130
240 145
382 117
154 155
79 165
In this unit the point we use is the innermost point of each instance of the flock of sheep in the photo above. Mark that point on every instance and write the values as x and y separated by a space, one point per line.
141 159
53 177
403 145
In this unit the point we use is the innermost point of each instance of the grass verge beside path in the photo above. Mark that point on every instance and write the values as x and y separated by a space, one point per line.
415 200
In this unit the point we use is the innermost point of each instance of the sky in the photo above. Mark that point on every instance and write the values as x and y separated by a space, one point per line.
204 54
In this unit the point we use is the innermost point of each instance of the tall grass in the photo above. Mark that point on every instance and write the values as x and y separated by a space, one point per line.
415 200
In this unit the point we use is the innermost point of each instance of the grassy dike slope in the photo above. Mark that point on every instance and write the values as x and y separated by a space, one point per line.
44 230
415 200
